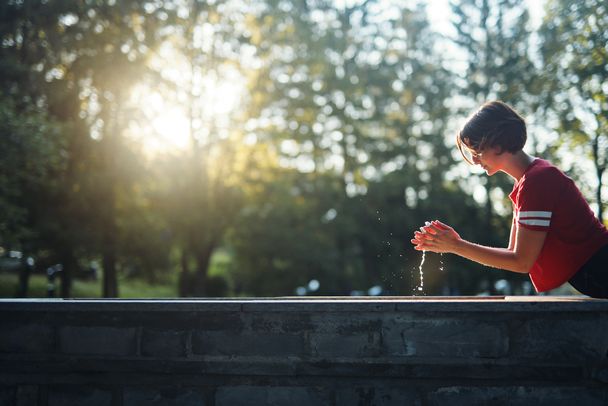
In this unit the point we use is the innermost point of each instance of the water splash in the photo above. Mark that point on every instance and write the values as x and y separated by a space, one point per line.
412 277
421 286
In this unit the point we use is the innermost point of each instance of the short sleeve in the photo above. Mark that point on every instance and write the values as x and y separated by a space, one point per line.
537 198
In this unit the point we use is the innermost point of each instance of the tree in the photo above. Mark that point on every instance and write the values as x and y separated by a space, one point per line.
574 37
30 158
494 37
29 32
75 62
284 240
201 196
351 97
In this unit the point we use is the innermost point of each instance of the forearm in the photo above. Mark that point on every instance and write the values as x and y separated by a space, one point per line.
502 258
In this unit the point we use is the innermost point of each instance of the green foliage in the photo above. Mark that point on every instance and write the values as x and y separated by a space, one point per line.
497 44
282 240
496 37
576 81
30 157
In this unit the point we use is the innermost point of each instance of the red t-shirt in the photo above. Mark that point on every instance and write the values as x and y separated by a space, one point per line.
545 199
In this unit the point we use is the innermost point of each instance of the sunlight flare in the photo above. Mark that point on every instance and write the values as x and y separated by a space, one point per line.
189 106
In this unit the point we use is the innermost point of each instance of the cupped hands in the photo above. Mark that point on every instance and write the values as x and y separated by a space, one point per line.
437 237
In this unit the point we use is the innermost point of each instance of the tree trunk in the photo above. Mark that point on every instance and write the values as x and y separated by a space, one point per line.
24 277
69 263
184 286
599 170
600 207
202 268
110 281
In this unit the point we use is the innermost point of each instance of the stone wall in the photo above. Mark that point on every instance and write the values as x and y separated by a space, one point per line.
327 351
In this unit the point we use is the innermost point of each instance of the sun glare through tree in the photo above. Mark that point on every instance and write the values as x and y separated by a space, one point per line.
182 106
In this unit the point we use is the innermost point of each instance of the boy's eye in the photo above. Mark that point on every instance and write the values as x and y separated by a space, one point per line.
472 154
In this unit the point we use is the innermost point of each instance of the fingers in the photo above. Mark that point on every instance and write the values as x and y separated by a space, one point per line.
441 225
418 244
422 240
430 229
434 227
426 247
429 236
422 236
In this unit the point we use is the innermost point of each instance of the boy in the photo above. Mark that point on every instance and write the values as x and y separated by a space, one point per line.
555 237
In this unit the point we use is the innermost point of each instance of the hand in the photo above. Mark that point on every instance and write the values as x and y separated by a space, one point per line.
436 237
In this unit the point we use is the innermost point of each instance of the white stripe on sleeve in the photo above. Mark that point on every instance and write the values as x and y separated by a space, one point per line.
542 223
539 214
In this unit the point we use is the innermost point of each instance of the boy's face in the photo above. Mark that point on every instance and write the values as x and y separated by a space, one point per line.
490 159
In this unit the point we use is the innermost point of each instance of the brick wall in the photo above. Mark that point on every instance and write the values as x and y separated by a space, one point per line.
340 351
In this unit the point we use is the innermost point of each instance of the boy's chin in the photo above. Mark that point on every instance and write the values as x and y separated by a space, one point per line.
489 171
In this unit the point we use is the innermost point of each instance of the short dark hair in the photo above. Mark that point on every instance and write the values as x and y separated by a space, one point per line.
495 124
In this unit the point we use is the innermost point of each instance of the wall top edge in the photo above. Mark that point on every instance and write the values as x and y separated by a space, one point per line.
317 304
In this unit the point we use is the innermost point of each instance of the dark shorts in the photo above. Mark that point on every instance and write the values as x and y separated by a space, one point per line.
592 278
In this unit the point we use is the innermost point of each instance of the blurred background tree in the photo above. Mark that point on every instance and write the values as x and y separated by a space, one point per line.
249 148
577 87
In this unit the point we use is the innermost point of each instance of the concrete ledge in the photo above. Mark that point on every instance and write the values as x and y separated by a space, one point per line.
334 351
318 304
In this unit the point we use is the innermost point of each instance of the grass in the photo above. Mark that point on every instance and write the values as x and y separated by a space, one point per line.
127 288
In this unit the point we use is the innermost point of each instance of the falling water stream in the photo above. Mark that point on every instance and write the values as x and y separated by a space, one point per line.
421 286
421 271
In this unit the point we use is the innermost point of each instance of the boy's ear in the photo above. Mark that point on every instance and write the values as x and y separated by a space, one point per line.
497 149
